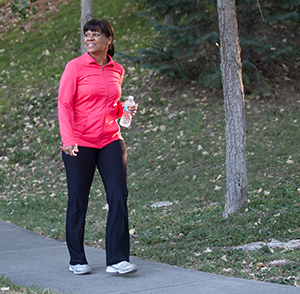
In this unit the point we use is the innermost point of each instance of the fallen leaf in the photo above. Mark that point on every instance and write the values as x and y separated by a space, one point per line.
224 257
105 207
179 236
219 177
207 250
260 264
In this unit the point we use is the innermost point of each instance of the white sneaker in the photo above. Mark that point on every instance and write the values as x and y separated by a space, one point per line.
123 267
80 269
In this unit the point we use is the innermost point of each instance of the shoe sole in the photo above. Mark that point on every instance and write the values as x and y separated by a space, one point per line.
116 272
129 272
79 273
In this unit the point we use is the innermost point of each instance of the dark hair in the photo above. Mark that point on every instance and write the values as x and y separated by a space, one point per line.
102 25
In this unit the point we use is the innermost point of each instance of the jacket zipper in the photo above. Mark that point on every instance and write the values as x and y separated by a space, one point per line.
105 112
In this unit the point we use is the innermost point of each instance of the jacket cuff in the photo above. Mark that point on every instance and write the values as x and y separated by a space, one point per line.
68 143
120 109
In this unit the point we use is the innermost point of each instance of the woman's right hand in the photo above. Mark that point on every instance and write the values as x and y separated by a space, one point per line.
71 150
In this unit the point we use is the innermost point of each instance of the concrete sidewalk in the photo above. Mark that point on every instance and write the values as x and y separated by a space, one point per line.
31 259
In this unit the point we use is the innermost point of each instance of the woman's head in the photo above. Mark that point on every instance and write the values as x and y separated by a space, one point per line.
104 27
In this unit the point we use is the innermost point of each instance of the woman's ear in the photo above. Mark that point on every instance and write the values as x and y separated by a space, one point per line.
110 40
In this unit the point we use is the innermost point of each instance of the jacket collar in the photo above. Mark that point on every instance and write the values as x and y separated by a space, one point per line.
89 59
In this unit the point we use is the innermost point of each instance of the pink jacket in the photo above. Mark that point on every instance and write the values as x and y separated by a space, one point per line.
89 102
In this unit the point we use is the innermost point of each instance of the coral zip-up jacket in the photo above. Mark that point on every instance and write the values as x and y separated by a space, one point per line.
89 102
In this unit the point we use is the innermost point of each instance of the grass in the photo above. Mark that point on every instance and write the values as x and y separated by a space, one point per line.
176 152
9 287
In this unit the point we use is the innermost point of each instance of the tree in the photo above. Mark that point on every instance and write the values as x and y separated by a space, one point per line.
23 8
86 15
187 31
184 28
233 91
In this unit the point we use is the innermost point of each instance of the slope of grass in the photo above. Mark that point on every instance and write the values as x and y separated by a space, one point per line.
9 287
176 153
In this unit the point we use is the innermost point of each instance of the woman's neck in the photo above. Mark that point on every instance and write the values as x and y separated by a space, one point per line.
101 59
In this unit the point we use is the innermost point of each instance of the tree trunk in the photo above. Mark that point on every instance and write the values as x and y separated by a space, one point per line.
86 15
233 91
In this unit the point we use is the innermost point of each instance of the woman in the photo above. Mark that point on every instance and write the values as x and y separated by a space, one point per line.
88 107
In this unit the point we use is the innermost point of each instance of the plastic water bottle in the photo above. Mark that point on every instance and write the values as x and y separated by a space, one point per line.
126 117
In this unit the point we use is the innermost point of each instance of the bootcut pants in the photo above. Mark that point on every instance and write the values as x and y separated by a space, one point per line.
111 162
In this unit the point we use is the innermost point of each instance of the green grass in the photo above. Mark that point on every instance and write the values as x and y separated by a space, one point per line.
12 288
176 152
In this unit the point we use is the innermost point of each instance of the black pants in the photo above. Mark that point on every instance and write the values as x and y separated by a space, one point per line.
111 162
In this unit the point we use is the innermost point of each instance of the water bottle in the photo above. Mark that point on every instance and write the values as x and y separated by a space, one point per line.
126 117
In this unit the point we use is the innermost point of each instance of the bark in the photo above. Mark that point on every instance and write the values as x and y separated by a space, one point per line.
168 19
233 91
86 15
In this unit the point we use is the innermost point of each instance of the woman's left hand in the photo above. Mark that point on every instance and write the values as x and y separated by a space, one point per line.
133 109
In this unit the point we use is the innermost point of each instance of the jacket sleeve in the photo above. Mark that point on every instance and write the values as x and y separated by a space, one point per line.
66 96
120 108
120 104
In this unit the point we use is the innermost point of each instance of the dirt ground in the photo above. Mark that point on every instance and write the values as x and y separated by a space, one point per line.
8 18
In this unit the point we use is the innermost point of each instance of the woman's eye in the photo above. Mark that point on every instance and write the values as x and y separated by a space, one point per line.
92 35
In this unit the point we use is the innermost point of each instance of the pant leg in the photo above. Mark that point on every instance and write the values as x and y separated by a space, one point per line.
80 173
112 165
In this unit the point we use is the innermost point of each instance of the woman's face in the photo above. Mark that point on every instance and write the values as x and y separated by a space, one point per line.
96 42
